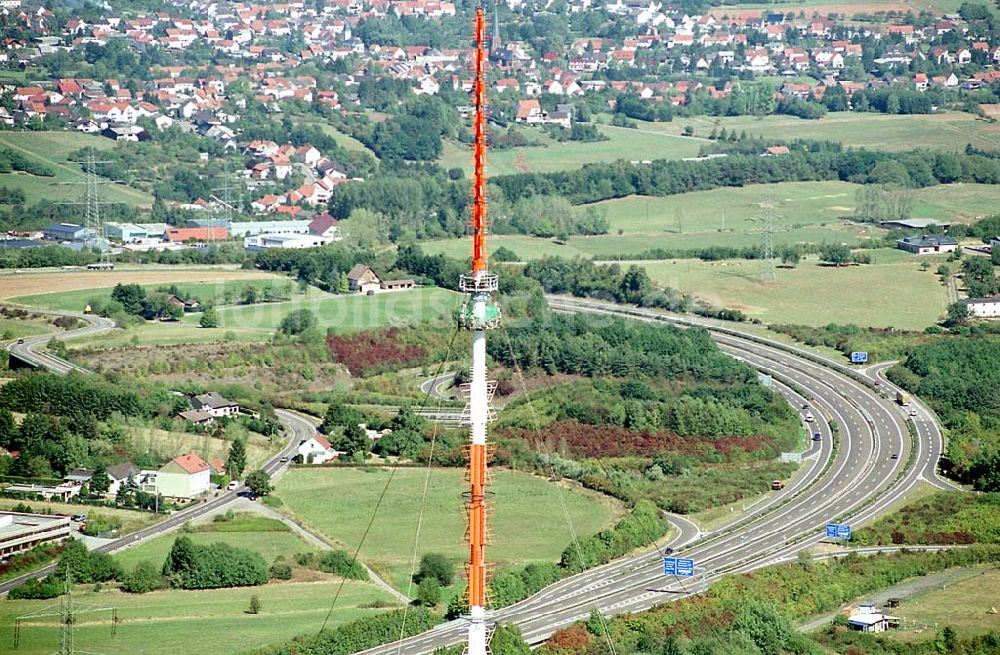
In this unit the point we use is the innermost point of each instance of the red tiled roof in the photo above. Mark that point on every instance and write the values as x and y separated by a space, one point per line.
191 463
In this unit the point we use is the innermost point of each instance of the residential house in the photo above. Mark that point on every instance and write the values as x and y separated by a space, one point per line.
362 279
197 416
119 475
316 450
326 226
185 476
215 404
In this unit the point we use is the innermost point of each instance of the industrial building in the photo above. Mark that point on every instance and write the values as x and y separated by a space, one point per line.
20 532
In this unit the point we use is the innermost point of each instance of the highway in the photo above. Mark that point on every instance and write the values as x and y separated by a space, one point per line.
852 477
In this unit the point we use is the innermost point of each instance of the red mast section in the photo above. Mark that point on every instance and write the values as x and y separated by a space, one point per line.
479 152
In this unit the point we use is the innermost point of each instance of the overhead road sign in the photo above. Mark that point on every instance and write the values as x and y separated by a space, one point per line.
838 531
678 566
859 357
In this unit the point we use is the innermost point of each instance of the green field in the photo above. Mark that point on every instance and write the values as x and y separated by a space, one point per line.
54 149
167 445
527 525
11 328
847 7
345 141
896 293
944 131
275 539
206 292
554 156
354 312
803 212
968 606
169 334
212 622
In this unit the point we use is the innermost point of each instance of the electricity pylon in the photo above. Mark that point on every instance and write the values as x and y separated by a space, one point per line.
67 613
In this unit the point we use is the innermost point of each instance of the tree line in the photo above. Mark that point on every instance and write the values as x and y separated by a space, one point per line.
602 181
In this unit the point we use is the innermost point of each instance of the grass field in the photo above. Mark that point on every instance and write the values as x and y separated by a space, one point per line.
968 606
212 622
944 131
206 292
167 445
896 294
53 283
527 525
276 539
14 329
803 212
54 149
345 141
554 156
168 334
345 313
849 8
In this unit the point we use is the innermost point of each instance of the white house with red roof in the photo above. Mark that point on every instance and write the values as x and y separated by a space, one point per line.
316 450
185 476
324 225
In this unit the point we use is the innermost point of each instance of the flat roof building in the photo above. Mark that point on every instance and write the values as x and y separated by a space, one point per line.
20 532
928 243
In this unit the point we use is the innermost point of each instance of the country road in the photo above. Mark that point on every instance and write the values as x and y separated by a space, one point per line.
865 460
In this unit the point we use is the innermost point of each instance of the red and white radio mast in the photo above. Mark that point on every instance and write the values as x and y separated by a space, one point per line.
477 315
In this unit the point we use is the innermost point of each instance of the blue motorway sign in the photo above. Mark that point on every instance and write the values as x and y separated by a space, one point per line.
859 357
678 566
838 531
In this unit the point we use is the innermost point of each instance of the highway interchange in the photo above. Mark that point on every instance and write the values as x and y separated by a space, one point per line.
849 476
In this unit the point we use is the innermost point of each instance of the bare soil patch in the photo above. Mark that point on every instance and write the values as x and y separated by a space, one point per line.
28 284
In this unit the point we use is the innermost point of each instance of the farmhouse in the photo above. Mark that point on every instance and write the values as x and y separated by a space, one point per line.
928 243
868 618
185 476
983 307
20 532
362 279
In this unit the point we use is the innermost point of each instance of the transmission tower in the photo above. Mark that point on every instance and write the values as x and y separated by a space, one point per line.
95 235
67 613
228 196
766 231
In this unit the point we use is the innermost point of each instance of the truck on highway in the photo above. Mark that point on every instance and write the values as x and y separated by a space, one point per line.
902 398
777 485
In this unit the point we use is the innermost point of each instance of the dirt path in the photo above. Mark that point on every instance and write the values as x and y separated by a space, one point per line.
902 590
313 539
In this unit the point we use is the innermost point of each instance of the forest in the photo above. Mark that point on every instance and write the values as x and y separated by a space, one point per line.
959 379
